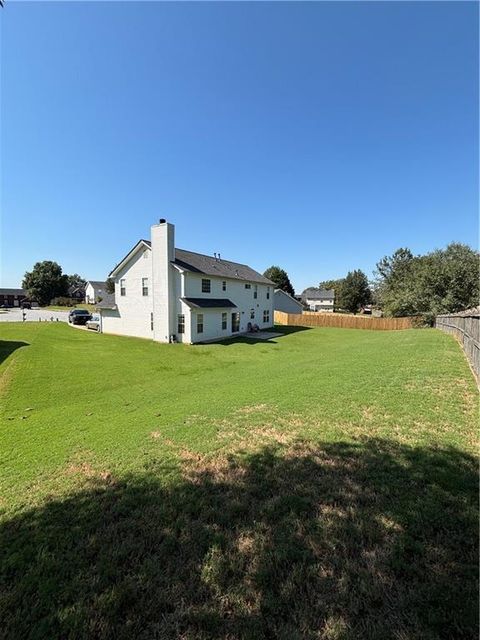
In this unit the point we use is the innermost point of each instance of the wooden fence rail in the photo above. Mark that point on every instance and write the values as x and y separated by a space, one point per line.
465 327
312 319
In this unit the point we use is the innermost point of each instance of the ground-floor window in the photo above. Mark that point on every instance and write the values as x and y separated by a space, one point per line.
235 322
151 322
266 315
199 322
181 323
224 321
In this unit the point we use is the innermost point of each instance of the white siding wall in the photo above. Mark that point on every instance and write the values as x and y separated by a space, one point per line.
284 302
240 296
134 309
89 294
319 305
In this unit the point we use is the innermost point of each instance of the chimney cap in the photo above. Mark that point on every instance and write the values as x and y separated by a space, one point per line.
162 220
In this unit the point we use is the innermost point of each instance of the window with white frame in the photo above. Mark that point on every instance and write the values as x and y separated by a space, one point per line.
268 293
255 291
206 285
224 321
181 323
123 287
252 314
224 285
248 286
266 315
199 322
151 322
144 286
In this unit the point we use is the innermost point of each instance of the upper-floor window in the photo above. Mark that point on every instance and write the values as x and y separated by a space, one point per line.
255 291
123 288
252 314
199 322
248 286
206 285
268 293
181 324
224 285
144 286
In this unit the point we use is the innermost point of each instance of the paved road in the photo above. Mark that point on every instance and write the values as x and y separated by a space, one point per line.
33 315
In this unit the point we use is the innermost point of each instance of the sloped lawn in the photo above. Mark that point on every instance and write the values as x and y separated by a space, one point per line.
323 485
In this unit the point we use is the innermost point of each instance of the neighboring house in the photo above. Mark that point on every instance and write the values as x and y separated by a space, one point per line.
12 297
96 292
77 292
170 294
319 299
283 301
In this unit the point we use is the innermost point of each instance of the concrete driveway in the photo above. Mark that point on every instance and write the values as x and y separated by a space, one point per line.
34 315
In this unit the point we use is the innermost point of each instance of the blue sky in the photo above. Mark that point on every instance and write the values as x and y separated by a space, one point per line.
317 136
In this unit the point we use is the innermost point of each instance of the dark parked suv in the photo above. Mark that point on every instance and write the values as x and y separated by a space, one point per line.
79 316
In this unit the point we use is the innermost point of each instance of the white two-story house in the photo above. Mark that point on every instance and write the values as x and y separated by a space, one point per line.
319 299
173 295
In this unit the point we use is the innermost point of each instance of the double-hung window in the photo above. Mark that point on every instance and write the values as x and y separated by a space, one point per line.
199 322
266 315
268 293
255 291
181 323
206 285
123 288
144 286
224 285
252 314
224 321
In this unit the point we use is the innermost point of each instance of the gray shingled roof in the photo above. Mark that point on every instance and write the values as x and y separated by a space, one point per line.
208 303
211 266
13 292
97 284
312 293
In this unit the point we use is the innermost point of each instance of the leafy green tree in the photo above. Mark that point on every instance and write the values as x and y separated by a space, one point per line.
45 282
110 285
76 281
355 292
443 281
280 278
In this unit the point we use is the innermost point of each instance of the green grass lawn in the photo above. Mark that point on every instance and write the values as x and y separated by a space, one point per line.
82 305
319 486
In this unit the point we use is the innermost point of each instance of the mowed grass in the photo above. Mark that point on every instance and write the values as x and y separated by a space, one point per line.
322 485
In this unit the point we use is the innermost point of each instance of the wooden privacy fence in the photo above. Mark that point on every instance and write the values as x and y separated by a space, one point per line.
465 326
312 319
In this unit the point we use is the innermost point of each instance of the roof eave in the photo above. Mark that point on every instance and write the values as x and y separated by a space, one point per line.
132 252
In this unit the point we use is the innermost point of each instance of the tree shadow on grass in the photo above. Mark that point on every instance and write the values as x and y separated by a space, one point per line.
343 541
7 347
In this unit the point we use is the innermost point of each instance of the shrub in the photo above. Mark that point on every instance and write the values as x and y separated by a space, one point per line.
63 301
